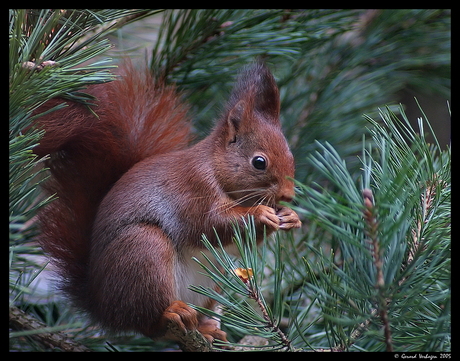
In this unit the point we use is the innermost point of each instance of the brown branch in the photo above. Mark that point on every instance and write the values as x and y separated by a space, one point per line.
254 294
190 341
21 321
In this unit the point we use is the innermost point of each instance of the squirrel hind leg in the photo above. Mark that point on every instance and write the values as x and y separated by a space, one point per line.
179 320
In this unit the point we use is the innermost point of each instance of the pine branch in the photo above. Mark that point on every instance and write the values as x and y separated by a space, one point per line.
380 273
52 53
238 284
254 294
390 270
21 321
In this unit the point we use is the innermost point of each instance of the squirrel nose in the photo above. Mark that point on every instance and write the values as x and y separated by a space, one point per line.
287 195
286 192
286 198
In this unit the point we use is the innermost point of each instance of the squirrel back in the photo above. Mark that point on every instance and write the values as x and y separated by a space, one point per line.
90 149
134 200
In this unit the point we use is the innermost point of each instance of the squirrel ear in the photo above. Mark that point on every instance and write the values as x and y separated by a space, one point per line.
266 95
257 87
235 115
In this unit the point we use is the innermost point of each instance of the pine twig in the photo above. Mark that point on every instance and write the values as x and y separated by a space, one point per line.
426 200
372 228
253 293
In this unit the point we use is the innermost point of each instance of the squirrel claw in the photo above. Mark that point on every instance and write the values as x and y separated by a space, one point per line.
288 219
267 215
179 319
180 316
209 328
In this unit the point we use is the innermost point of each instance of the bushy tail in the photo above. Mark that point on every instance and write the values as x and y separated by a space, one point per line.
135 119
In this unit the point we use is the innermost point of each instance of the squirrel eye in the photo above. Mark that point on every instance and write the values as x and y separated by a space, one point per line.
259 162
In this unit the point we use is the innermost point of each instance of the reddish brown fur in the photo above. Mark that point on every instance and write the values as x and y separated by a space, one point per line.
136 118
134 202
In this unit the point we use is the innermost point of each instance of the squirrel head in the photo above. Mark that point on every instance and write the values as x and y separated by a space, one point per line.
253 163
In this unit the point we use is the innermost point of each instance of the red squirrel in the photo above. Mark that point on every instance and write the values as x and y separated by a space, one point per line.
134 199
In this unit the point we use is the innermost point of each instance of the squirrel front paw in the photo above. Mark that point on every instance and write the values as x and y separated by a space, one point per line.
209 328
267 216
288 218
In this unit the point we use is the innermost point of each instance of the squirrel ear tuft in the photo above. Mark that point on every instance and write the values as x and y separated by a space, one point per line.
235 115
257 87
266 95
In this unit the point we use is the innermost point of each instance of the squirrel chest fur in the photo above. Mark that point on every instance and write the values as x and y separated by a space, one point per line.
139 226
